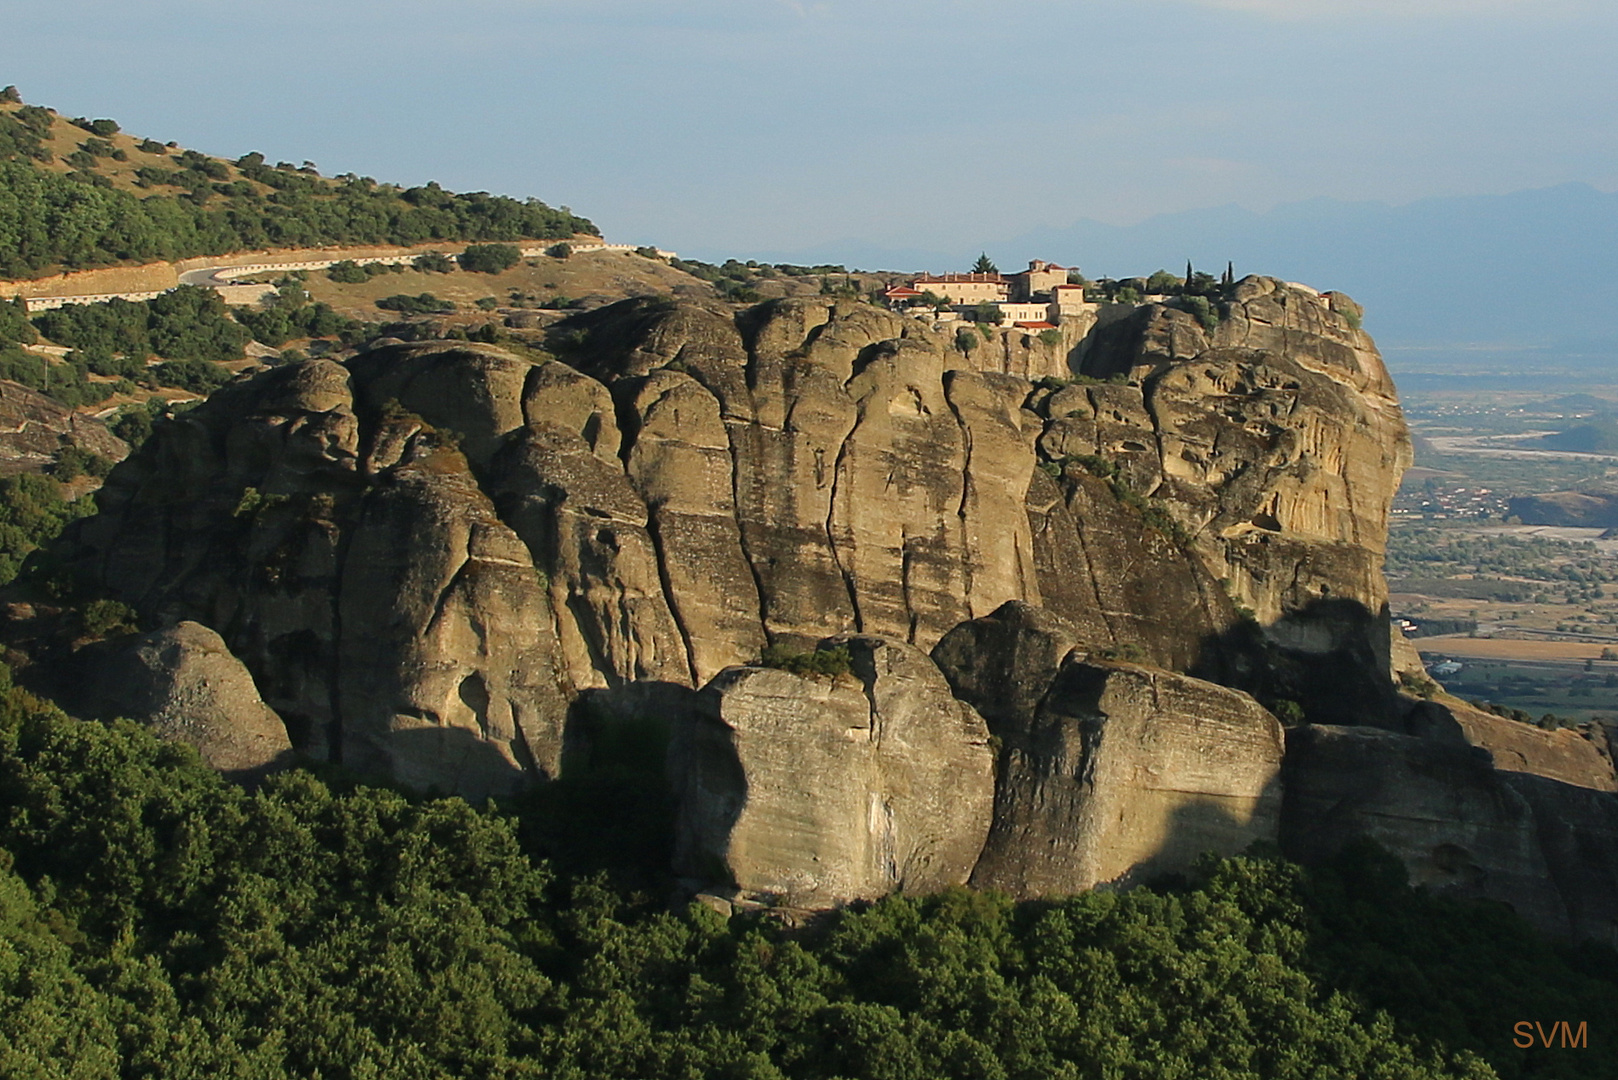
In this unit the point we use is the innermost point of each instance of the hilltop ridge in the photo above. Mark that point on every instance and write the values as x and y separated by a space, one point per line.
82 193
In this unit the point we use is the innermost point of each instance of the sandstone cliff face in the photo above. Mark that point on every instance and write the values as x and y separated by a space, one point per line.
1566 756
1110 773
424 554
818 791
1274 441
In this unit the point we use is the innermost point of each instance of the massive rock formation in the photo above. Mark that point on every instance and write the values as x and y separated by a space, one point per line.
1130 773
422 554
437 559
35 429
1580 758
1596 506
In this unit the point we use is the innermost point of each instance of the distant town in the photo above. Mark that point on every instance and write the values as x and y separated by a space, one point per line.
1441 500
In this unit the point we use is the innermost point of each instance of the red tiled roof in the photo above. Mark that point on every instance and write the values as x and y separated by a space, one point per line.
1035 325
960 279
902 290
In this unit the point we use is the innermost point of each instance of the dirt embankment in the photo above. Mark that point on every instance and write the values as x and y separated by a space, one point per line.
153 277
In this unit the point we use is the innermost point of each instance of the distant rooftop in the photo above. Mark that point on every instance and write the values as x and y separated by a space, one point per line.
960 279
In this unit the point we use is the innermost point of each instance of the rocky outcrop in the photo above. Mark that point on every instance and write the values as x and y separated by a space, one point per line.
818 790
186 686
1579 758
34 429
1003 663
424 554
1273 441
1109 773
1460 826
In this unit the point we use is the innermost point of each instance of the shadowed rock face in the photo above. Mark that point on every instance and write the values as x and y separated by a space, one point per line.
1460 826
424 554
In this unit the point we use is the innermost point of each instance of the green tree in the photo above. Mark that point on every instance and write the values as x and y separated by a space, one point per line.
423 304
490 258
14 325
196 376
1162 282
54 1024
985 265
73 461
32 513
347 272
434 262
1206 313
49 221
986 313
133 423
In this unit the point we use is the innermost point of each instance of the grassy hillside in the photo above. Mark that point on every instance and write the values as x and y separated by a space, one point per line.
81 193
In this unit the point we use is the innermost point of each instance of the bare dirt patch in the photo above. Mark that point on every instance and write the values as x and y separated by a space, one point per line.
1511 648
610 275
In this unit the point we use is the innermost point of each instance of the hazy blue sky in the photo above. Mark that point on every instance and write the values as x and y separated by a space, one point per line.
717 126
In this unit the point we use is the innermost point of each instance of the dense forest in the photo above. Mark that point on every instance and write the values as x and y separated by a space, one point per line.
158 922
51 220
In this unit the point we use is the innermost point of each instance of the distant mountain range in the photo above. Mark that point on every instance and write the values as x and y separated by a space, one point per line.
1532 268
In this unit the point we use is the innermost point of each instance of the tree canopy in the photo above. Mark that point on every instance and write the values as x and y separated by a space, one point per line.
490 258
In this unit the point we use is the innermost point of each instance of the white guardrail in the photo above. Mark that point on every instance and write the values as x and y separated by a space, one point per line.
214 276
